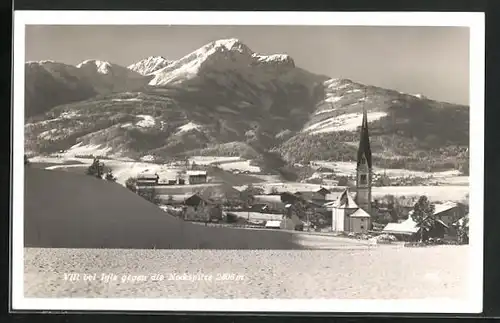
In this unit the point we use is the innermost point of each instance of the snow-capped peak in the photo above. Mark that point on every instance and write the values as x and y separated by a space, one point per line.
232 44
103 67
149 65
45 61
219 55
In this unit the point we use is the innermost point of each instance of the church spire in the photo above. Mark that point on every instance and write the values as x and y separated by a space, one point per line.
364 150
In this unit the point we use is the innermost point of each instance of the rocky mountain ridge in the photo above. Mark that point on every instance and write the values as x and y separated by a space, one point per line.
225 95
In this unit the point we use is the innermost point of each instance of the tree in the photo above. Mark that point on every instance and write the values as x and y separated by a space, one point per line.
463 230
248 194
96 169
110 177
150 194
423 212
131 183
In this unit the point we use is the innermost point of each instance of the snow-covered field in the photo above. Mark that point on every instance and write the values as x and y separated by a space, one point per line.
257 216
124 169
285 187
349 169
226 163
345 122
79 149
207 160
243 166
347 272
434 193
454 193
121 169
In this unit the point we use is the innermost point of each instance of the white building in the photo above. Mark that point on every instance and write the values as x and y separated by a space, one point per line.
348 216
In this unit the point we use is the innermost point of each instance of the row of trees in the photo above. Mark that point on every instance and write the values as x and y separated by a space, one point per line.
148 193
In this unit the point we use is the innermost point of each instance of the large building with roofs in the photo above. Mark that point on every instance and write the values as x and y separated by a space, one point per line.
353 214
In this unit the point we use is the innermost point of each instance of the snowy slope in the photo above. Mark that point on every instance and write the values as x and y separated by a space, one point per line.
107 77
345 122
149 65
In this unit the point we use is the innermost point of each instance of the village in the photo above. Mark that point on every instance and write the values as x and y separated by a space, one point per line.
353 212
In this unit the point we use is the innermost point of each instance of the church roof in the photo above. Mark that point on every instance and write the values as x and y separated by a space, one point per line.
364 142
345 201
360 213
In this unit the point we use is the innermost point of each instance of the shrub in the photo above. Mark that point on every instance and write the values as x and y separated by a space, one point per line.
96 169
131 183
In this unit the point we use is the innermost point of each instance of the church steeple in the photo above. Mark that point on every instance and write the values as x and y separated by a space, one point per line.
364 167
364 150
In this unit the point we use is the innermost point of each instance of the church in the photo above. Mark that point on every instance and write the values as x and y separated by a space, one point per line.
353 215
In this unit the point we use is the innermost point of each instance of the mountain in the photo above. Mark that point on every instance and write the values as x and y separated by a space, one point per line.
225 99
49 84
149 65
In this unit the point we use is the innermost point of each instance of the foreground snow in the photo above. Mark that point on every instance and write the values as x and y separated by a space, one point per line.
351 271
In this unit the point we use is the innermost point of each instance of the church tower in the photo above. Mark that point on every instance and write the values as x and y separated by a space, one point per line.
364 168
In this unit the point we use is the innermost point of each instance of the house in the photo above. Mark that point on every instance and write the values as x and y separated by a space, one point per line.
173 199
348 216
323 191
449 212
197 208
409 230
145 179
313 197
196 176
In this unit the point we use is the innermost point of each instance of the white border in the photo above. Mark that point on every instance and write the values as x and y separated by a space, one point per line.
475 21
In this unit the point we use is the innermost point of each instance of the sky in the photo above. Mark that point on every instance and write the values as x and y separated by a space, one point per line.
433 61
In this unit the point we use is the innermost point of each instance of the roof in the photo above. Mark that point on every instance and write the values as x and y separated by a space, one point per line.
332 196
345 201
364 142
406 227
360 213
439 208
196 173
323 191
147 176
